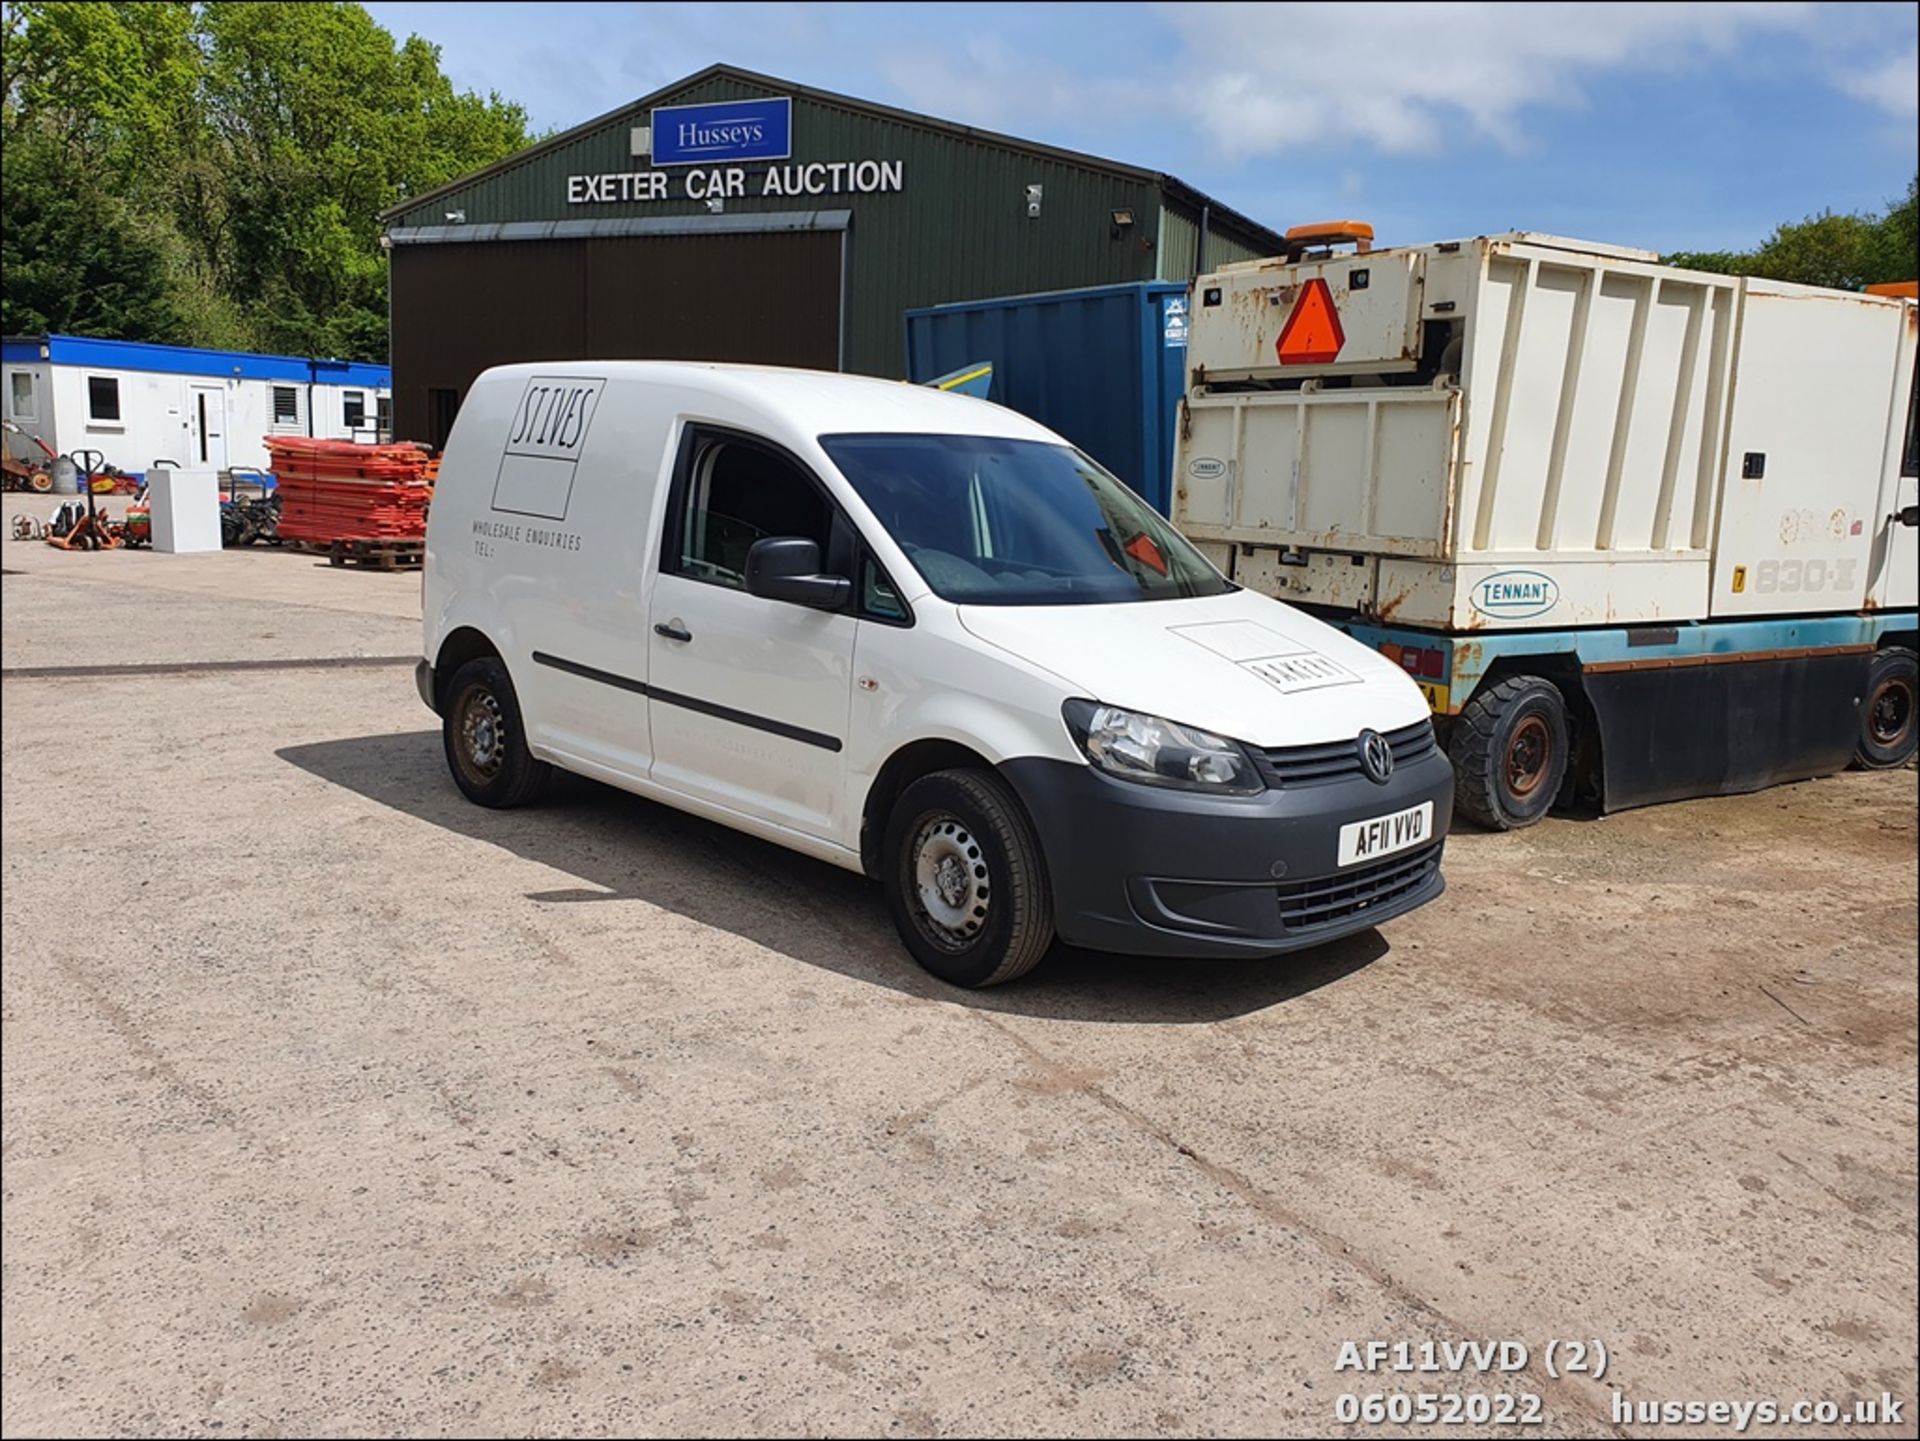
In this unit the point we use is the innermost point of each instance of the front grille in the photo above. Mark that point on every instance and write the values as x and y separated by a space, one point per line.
1336 760
1310 905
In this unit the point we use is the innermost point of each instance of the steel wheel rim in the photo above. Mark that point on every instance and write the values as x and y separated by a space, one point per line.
483 735
1890 713
951 888
1529 756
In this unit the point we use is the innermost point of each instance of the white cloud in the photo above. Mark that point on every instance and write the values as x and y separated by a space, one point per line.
1265 78
982 80
1893 86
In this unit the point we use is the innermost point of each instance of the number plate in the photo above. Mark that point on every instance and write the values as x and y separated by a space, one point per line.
1383 835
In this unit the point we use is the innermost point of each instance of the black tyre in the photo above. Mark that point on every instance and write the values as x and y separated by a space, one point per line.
485 742
1888 725
965 879
1509 752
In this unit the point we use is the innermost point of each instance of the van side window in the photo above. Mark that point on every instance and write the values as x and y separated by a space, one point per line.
738 494
877 595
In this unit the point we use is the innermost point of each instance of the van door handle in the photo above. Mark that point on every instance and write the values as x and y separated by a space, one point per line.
672 631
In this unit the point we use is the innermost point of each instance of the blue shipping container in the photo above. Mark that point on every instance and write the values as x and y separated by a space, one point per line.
1105 367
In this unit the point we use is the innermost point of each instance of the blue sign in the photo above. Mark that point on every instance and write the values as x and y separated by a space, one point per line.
730 130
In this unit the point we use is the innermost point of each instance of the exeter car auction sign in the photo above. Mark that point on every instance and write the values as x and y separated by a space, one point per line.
698 149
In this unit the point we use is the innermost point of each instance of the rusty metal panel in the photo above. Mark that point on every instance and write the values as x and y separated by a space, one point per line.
1243 311
1527 431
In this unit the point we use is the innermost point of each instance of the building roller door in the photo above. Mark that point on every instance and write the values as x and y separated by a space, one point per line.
764 299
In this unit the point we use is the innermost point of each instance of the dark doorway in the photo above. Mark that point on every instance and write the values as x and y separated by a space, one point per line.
442 406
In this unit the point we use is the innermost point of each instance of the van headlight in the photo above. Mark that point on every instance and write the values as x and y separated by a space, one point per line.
1159 752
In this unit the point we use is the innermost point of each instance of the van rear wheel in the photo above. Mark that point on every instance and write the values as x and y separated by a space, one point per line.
484 740
1509 753
965 880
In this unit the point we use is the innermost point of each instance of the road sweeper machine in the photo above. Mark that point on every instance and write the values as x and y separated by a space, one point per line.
1639 532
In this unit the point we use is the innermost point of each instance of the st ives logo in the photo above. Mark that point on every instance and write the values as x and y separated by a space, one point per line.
1205 467
1515 594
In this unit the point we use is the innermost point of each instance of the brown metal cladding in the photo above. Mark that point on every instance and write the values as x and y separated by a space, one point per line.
771 299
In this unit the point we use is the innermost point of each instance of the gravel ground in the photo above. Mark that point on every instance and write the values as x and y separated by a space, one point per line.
334 1104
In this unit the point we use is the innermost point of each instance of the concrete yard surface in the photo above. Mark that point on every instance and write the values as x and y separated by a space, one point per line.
334 1104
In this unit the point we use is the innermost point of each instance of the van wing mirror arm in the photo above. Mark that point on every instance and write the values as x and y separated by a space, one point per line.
787 567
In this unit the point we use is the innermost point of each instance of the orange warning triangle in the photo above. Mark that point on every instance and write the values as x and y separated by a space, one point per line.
1142 549
1312 334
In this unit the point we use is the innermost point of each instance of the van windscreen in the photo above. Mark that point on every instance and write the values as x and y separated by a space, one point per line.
992 521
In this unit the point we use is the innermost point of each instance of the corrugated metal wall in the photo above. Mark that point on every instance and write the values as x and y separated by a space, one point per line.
1180 240
459 308
958 229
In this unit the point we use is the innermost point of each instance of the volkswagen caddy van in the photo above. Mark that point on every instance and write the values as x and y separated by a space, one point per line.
919 636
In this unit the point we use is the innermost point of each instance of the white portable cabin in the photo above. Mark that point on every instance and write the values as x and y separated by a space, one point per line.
137 403
1524 431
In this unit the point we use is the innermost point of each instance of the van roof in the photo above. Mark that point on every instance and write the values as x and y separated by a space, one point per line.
811 402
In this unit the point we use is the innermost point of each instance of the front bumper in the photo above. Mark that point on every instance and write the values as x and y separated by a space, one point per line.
1172 873
423 678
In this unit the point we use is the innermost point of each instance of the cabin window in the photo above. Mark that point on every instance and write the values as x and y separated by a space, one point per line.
286 405
354 405
20 397
738 494
103 399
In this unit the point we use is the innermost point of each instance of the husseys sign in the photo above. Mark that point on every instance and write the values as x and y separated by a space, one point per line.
692 144
731 130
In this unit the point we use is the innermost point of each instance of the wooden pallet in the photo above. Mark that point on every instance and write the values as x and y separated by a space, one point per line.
372 554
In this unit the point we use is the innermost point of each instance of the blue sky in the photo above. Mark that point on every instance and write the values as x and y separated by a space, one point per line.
1669 126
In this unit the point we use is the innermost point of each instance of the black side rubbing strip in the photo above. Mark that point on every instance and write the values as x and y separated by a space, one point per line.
692 703
744 718
605 677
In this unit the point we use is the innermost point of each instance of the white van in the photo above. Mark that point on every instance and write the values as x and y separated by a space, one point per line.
918 636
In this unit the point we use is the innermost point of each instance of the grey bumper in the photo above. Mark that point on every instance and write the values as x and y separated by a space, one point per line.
1171 873
423 678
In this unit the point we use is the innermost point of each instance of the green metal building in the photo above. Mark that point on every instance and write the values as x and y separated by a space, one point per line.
733 216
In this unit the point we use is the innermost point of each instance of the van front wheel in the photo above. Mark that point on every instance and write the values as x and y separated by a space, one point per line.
965 880
485 743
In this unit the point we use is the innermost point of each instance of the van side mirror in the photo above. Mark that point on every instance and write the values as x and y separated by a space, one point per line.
787 567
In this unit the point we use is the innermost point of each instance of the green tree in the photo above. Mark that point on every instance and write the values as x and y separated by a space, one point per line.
1845 252
77 262
240 155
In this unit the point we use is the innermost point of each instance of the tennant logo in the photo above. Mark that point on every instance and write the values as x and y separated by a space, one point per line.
732 130
1515 594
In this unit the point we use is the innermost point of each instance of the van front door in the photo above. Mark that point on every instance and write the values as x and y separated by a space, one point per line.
747 697
207 427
